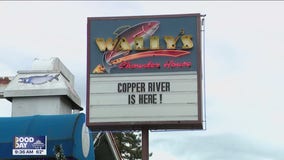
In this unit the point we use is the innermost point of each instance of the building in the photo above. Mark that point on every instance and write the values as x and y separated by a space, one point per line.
46 111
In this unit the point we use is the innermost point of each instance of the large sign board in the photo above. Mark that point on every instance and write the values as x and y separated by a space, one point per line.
144 71
30 145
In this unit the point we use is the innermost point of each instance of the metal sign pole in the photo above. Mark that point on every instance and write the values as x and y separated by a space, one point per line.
145 144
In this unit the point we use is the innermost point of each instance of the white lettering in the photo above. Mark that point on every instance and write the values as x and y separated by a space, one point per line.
21 145
24 139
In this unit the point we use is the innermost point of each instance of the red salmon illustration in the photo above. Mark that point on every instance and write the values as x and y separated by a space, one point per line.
163 53
144 29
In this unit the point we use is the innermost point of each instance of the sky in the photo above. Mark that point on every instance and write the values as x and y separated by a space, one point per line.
243 60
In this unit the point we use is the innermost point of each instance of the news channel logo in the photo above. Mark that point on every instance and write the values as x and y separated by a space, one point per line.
30 145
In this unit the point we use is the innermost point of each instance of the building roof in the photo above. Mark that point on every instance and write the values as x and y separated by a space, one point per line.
48 77
105 147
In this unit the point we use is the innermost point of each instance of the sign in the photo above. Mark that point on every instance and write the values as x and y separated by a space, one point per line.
144 71
30 145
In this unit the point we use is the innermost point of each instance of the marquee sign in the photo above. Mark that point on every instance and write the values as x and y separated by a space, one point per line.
144 71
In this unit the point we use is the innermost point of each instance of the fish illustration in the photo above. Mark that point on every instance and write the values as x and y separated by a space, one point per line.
155 53
144 30
36 80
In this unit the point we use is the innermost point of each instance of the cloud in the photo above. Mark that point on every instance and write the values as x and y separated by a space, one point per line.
51 29
161 154
6 70
216 146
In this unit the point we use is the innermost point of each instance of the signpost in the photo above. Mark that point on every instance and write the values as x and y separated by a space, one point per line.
144 72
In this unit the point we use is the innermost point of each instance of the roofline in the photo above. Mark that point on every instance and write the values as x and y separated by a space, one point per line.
113 145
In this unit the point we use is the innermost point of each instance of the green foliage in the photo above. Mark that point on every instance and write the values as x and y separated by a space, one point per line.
59 152
129 145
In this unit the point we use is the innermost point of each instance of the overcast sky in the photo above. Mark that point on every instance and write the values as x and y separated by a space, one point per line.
244 63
